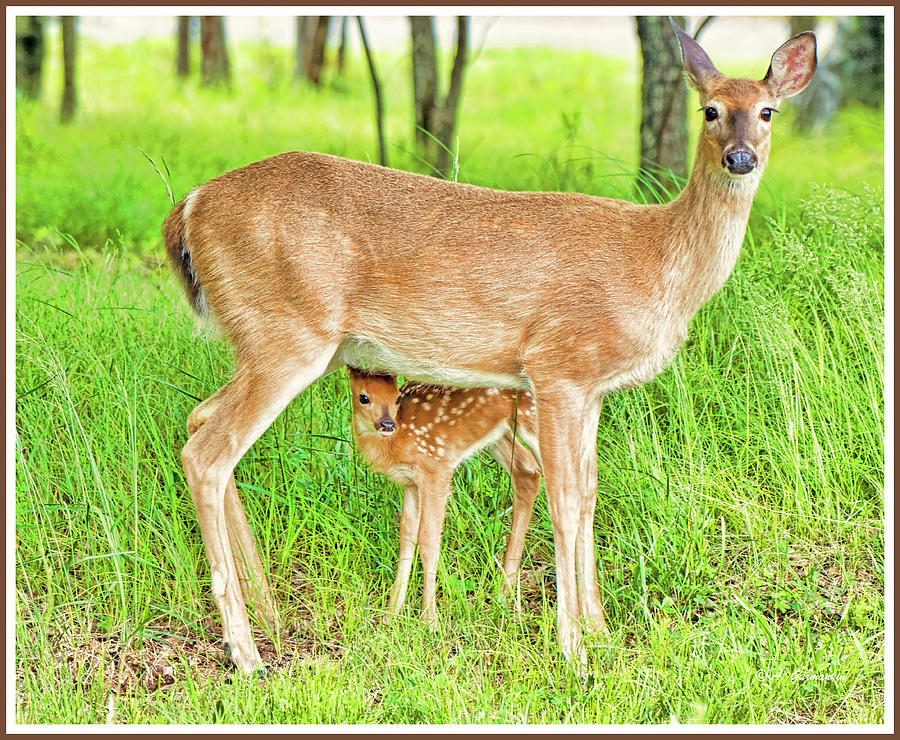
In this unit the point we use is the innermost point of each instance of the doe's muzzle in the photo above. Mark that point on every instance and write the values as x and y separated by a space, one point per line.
740 161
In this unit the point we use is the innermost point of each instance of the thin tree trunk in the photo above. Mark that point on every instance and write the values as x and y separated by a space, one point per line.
451 102
214 68
663 132
376 86
183 58
67 108
29 55
342 47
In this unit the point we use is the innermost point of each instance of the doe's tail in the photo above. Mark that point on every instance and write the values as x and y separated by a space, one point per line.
175 237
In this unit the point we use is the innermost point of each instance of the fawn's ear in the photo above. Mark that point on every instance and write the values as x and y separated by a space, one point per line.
697 64
792 66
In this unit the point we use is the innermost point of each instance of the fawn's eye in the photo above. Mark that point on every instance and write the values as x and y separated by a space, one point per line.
399 399
711 113
766 113
363 398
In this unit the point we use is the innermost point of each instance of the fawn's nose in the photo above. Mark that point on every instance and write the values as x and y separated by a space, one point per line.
386 424
739 161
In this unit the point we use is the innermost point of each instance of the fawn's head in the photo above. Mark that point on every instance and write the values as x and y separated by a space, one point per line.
737 112
375 398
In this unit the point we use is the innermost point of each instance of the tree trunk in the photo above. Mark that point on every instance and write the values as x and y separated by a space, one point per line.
436 118
214 69
317 51
183 58
29 55
424 71
342 46
851 70
801 23
861 43
306 27
312 39
451 102
67 108
376 87
663 131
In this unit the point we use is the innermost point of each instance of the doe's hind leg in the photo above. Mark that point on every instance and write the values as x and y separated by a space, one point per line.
251 575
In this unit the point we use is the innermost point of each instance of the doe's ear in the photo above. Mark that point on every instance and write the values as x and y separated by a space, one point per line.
792 66
696 63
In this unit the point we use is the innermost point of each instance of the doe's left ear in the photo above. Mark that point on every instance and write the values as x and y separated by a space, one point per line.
697 64
792 66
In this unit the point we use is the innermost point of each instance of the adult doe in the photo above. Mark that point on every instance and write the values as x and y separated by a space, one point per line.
417 435
308 261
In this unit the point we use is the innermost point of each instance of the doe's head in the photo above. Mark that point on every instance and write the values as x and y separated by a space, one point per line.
737 112
375 399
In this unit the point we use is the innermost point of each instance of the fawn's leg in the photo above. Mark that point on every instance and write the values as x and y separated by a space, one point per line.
409 529
244 409
526 482
433 497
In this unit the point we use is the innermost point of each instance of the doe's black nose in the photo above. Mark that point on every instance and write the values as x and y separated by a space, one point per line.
740 161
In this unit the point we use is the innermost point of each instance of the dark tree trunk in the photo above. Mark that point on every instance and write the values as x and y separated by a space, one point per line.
67 108
424 71
312 39
317 52
183 58
29 55
342 46
451 102
376 87
663 131
214 69
436 118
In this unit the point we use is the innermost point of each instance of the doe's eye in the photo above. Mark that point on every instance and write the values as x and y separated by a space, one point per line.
363 398
766 113
711 113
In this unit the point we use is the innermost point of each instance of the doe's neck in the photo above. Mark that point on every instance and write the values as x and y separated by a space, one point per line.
708 221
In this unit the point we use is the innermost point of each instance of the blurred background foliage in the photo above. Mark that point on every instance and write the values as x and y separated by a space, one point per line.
450 104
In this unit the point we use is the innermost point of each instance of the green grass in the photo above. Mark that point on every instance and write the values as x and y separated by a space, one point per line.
741 494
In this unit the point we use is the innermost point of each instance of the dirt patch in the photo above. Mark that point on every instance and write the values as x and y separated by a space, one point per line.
156 661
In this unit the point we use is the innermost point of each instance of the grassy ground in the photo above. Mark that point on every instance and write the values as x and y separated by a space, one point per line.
739 520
